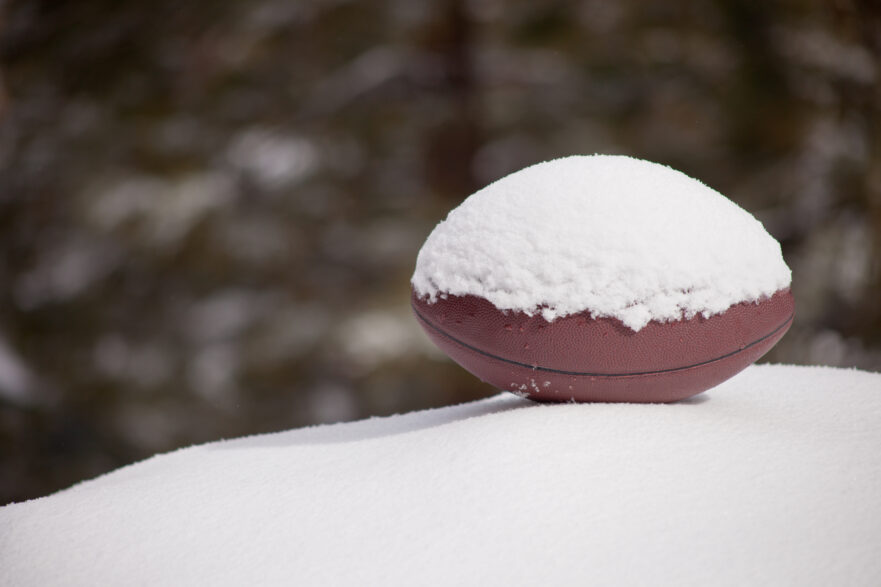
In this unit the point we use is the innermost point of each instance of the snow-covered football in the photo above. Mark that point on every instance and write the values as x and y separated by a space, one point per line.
602 278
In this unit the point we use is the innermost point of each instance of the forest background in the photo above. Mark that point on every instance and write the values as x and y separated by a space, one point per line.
210 211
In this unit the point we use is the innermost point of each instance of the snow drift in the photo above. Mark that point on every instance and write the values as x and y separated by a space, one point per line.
771 478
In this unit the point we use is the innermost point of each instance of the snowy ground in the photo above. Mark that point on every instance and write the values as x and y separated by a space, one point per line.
774 477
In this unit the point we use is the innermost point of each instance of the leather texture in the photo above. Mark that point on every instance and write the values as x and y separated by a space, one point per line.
585 359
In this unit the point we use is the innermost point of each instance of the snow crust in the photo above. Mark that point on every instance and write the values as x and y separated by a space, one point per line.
769 479
617 236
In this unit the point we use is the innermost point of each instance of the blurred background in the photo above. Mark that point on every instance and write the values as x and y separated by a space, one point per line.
210 210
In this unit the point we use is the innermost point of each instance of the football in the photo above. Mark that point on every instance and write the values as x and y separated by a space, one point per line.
584 359
602 279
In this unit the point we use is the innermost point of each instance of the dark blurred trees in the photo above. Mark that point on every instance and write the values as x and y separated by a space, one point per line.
209 211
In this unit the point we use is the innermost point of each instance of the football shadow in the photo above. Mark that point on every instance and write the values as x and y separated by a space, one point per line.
372 428
693 400
380 427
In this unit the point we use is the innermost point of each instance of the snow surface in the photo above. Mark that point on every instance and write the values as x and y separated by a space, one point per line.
617 236
772 478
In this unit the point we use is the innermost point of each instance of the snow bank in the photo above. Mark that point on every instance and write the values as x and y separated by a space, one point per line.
617 236
771 478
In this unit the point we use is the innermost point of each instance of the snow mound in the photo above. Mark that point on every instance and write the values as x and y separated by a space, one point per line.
773 480
613 235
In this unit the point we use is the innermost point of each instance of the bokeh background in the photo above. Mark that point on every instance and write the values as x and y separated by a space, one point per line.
210 210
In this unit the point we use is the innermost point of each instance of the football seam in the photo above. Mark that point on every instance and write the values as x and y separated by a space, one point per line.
589 374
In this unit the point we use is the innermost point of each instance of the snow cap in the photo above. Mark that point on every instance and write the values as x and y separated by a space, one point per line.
612 235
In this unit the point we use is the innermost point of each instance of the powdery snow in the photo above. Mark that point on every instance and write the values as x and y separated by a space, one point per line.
772 478
617 236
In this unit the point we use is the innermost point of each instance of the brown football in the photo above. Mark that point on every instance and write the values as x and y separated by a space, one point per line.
584 359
